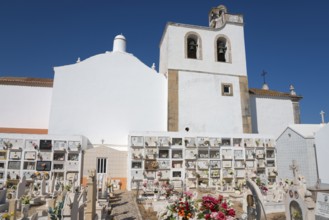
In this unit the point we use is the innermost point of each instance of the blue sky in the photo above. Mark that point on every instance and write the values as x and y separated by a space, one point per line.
287 38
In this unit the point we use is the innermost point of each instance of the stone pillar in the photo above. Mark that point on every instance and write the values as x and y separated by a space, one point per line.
12 208
91 196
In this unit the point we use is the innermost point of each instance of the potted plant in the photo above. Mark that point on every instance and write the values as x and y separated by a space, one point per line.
25 200
6 215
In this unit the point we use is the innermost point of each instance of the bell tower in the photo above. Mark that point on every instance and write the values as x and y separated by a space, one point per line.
207 75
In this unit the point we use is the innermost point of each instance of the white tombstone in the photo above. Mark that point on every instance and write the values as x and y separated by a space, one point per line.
104 187
298 201
43 187
21 186
51 184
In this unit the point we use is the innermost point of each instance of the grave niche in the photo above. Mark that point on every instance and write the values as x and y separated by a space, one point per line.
295 211
43 166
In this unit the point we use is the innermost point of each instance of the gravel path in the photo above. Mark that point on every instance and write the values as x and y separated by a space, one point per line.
124 206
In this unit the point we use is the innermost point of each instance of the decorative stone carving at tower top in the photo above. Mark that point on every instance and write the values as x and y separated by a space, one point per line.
217 16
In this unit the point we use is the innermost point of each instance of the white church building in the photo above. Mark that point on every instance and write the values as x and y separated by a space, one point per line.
201 87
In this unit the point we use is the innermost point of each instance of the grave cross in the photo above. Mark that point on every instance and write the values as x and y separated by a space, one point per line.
264 73
322 116
294 167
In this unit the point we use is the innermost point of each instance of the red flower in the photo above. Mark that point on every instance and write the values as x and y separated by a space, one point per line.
231 212
224 205
220 198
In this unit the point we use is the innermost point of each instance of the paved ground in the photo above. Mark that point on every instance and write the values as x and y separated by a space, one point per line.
124 206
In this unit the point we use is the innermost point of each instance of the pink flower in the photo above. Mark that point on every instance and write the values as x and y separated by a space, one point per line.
220 216
188 194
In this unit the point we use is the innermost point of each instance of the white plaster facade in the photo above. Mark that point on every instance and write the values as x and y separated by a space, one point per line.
297 143
173 50
25 106
322 152
270 115
106 96
202 107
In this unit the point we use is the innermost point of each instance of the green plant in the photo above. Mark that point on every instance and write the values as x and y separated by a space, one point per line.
68 187
6 215
26 199
296 214
56 212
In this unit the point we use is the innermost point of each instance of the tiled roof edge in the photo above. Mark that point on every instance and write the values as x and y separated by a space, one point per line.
272 93
26 81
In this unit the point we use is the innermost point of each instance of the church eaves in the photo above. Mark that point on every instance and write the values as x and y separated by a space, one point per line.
272 93
26 81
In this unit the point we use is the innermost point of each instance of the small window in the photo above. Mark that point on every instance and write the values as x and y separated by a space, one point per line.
101 165
227 89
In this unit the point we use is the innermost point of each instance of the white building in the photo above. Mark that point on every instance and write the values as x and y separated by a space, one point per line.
25 104
273 111
322 152
108 95
297 143
207 75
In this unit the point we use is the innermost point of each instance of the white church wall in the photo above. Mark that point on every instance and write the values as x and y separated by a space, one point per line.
163 64
106 96
25 106
203 108
322 152
292 146
176 58
270 115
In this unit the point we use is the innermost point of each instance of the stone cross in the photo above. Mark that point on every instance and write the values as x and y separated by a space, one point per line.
322 113
294 167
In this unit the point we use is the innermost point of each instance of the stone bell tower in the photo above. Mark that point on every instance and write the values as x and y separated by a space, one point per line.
207 75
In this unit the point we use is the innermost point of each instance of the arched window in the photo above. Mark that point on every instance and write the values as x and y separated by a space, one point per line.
221 50
192 47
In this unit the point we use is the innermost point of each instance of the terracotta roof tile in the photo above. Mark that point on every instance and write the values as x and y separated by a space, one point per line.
263 92
26 81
